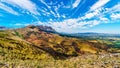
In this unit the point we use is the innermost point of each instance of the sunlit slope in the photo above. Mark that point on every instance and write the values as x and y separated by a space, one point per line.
12 46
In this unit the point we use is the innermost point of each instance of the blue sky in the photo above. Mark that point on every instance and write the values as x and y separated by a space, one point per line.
69 16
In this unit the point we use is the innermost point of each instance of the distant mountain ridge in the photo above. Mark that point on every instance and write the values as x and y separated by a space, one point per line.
2 28
85 34
90 35
49 29
46 29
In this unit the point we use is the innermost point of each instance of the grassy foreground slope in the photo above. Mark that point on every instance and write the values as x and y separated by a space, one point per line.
13 47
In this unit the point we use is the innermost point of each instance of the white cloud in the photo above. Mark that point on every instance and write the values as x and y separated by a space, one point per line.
99 4
92 14
101 12
92 18
48 7
24 4
63 16
18 24
76 3
115 16
71 25
8 9
21 24
56 10
104 19
94 23
115 8
42 1
95 16
53 10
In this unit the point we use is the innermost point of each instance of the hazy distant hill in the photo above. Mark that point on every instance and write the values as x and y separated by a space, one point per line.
2 28
90 35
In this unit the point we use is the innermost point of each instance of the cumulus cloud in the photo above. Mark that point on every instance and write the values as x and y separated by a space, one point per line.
24 4
99 4
8 9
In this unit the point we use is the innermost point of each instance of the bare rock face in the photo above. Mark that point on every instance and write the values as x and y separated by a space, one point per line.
46 28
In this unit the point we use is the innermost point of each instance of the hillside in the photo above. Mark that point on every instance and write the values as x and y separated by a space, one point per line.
31 37
33 43
58 43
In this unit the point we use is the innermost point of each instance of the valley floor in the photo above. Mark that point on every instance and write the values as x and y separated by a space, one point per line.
84 61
